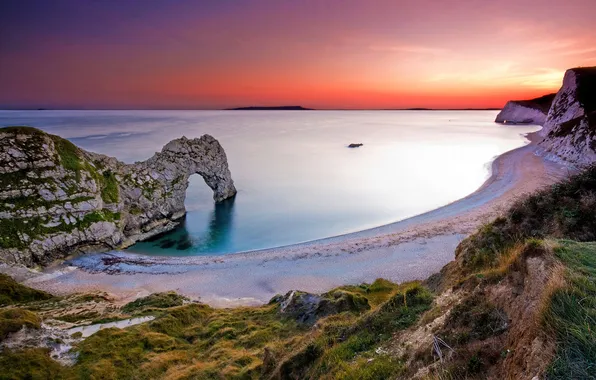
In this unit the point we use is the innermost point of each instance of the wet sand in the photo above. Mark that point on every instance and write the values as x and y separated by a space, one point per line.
411 249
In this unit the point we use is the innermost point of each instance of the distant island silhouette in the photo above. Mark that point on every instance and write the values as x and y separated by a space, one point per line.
277 108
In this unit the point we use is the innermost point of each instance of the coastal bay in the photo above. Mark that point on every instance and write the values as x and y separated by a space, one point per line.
411 249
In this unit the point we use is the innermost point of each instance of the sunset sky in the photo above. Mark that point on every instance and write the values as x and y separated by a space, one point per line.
321 54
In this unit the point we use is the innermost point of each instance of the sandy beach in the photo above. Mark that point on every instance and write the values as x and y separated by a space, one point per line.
410 249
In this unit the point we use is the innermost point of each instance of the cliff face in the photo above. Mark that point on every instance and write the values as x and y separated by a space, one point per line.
57 199
532 111
570 128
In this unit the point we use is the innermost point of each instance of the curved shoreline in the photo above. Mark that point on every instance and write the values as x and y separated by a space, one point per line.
413 248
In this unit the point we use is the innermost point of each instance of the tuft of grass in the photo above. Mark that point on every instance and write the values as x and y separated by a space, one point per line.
571 313
11 292
12 320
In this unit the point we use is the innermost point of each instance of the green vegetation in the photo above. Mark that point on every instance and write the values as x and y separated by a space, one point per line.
155 301
13 230
473 319
571 313
22 130
11 292
346 344
351 326
34 364
104 215
109 187
70 155
12 320
78 317
565 210
18 231
193 340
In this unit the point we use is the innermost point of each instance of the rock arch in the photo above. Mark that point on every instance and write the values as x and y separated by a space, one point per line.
57 199
183 157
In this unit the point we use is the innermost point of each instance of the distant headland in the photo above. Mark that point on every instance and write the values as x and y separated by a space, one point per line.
277 108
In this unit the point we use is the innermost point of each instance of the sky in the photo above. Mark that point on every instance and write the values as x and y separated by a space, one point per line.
332 54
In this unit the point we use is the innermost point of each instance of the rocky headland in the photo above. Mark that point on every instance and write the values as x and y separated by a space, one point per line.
569 125
531 111
57 199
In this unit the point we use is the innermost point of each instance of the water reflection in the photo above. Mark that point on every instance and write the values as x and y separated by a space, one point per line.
214 238
221 224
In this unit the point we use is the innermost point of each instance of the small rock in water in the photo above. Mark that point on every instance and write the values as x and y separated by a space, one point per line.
355 145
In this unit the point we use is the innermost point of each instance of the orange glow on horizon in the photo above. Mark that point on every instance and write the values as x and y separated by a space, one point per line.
331 55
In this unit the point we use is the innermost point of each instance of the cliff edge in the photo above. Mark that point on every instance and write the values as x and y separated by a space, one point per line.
532 111
568 118
570 127
57 199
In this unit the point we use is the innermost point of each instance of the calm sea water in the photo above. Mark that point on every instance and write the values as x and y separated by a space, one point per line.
296 179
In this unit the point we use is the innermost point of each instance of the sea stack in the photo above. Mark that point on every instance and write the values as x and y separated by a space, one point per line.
57 199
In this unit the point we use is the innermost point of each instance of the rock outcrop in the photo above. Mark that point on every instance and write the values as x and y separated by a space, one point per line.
307 308
57 199
570 128
532 111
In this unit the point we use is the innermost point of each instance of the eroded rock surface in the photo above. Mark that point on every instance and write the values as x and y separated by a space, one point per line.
307 308
57 199
570 127
569 133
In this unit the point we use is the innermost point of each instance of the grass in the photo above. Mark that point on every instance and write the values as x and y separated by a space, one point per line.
571 313
192 340
473 319
33 364
564 210
70 155
346 344
11 292
12 320
155 301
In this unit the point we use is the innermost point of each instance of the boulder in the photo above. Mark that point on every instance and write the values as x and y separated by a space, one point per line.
307 308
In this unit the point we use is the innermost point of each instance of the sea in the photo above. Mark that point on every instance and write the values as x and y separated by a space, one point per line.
297 179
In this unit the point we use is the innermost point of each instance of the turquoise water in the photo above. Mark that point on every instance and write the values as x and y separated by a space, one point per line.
296 179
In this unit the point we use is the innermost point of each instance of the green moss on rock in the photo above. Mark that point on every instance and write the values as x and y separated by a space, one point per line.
109 187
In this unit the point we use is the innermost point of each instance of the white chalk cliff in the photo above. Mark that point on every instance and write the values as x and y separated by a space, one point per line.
57 199
569 125
532 111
